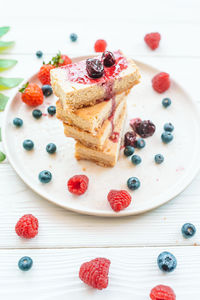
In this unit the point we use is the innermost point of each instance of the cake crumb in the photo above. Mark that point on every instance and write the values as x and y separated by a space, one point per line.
83 169
164 218
195 244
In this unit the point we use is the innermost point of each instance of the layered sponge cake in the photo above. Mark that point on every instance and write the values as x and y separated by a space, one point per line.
92 104
85 84
108 156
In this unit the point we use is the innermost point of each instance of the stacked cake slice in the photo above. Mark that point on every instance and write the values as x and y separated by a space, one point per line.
92 104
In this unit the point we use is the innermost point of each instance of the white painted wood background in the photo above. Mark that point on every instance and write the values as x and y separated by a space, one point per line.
67 239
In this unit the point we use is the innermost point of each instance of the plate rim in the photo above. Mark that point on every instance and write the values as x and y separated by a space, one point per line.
190 176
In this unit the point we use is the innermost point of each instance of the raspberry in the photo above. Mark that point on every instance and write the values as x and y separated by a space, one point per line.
100 46
161 82
162 292
44 73
119 199
95 272
27 227
32 94
78 184
152 39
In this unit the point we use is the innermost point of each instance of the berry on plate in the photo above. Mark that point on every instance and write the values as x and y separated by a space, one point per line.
31 94
166 262
28 145
78 184
161 82
61 60
18 122
44 73
73 37
167 137
95 273
188 230
119 199
45 176
51 148
145 128
152 39
159 158
100 46
51 110
47 90
136 159
162 292
169 127
27 227
130 139
129 150
140 143
166 102
25 263
39 54
133 183
36 113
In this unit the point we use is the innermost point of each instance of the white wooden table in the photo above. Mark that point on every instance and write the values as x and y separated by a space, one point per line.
67 239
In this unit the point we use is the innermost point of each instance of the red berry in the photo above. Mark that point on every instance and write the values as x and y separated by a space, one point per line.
78 184
32 94
27 227
162 292
95 272
65 60
44 74
100 46
161 82
119 199
152 39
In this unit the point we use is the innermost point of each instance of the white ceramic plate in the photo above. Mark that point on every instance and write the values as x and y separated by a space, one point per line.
159 183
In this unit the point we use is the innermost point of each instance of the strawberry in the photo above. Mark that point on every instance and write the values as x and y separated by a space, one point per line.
31 94
44 73
61 60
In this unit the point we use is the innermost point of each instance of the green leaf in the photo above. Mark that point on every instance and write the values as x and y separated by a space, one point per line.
4 30
8 83
2 156
0 135
5 45
3 101
7 64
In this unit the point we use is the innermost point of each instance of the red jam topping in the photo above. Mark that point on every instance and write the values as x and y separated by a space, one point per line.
114 137
77 72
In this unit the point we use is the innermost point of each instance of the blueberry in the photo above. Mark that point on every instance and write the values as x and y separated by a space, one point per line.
188 230
39 54
166 102
166 262
169 127
73 37
51 110
25 263
140 143
133 183
28 145
94 67
136 159
167 137
36 113
47 90
51 148
45 176
129 150
18 122
159 158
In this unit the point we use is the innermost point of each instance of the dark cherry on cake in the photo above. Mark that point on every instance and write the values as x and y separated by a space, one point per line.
108 59
144 128
94 67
